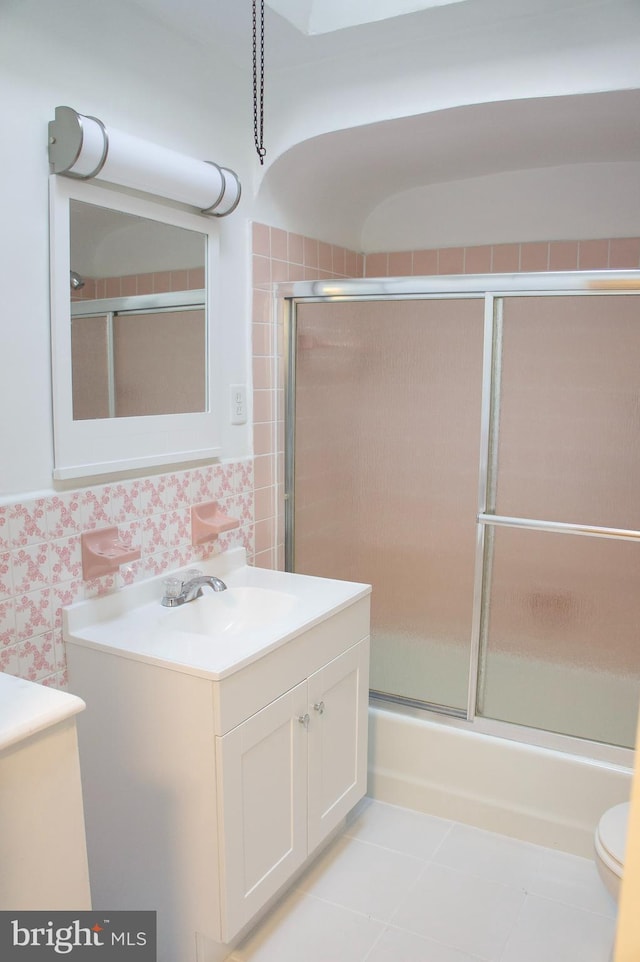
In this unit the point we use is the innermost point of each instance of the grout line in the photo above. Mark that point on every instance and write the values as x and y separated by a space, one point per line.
345 908
443 840
376 941
570 905
513 927
430 941
386 848
480 877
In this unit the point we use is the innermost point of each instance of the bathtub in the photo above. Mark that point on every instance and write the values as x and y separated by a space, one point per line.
446 767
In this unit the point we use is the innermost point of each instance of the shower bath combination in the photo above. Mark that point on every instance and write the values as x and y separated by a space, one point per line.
472 457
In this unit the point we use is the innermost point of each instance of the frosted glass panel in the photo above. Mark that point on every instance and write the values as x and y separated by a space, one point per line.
90 367
151 365
569 436
563 651
386 473
158 363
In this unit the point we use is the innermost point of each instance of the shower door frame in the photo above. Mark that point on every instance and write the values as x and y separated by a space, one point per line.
491 288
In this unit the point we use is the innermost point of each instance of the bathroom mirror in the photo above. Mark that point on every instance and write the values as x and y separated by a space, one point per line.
138 319
133 317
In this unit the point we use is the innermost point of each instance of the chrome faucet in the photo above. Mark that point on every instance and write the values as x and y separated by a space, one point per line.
179 593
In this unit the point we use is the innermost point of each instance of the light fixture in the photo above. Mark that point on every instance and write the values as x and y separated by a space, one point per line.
82 147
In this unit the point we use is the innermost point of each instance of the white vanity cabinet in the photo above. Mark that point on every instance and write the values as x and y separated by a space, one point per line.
43 853
286 777
206 788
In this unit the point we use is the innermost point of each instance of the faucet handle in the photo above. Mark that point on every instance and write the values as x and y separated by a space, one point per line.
172 588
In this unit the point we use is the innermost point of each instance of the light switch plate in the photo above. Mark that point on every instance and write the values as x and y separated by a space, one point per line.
238 404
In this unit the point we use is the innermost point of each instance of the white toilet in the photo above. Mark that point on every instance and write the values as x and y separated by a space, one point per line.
610 843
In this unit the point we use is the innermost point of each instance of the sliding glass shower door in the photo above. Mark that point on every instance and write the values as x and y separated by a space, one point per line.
561 625
476 458
387 426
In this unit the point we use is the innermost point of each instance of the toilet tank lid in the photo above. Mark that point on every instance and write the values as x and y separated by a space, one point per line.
612 830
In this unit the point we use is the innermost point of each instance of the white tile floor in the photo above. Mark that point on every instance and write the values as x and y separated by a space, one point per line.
398 886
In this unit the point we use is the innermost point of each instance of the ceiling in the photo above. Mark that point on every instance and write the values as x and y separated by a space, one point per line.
474 140
224 26
353 171
324 16
357 167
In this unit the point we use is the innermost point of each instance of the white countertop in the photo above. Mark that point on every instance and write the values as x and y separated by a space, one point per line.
27 708
135 624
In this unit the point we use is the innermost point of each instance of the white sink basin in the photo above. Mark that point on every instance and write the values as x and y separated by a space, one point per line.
218 633
231 612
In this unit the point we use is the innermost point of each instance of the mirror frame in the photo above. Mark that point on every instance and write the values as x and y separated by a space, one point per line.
94 447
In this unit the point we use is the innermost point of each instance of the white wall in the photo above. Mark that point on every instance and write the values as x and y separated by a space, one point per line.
102 59
574 202
105 59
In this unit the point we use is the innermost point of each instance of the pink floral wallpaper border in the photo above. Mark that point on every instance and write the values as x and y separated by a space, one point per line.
40 554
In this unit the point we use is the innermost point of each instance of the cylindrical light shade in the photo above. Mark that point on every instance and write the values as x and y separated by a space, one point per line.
81 146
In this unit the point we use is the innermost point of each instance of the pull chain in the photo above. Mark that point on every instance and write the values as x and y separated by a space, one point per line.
258 81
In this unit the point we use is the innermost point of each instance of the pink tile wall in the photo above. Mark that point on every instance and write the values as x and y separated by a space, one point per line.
282 256
279 255
40 556
158 282
617 253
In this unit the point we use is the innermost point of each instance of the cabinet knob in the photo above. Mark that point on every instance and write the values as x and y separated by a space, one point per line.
319 707
304 719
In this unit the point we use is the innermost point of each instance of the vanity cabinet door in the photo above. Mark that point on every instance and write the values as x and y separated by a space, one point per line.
338 707
262 791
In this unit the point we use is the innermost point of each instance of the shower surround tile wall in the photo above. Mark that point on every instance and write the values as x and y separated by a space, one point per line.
617 253
40 555
280 256
157 282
